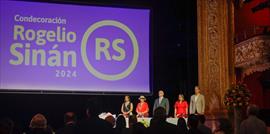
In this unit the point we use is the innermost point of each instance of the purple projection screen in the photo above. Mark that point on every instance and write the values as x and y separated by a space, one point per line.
73 48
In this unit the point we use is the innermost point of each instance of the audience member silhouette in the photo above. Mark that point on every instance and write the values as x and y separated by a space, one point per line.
182 125
193 122
92 124
204 129
253 125
132 120
70 121
38 125
159 125
224 127
138 128
6 126
111 120
120 127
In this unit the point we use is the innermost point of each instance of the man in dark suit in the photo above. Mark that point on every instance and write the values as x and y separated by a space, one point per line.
70 121
161 101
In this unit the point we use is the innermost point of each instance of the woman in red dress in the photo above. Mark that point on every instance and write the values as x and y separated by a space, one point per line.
180 107
142 108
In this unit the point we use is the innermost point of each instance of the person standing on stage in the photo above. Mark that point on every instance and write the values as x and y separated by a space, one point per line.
180 107
197 102
142 108
127 107
161 101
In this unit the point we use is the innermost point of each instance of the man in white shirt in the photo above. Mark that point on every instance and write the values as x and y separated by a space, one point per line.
197 102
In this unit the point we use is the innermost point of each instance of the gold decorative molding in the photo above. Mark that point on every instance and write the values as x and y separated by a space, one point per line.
215 51
253 55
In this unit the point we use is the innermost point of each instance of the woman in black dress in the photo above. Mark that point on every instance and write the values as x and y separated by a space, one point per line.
127 107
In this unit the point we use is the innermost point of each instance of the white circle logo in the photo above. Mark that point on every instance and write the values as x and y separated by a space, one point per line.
133 39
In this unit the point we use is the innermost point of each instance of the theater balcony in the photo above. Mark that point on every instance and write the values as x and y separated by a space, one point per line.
253 54
252 62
